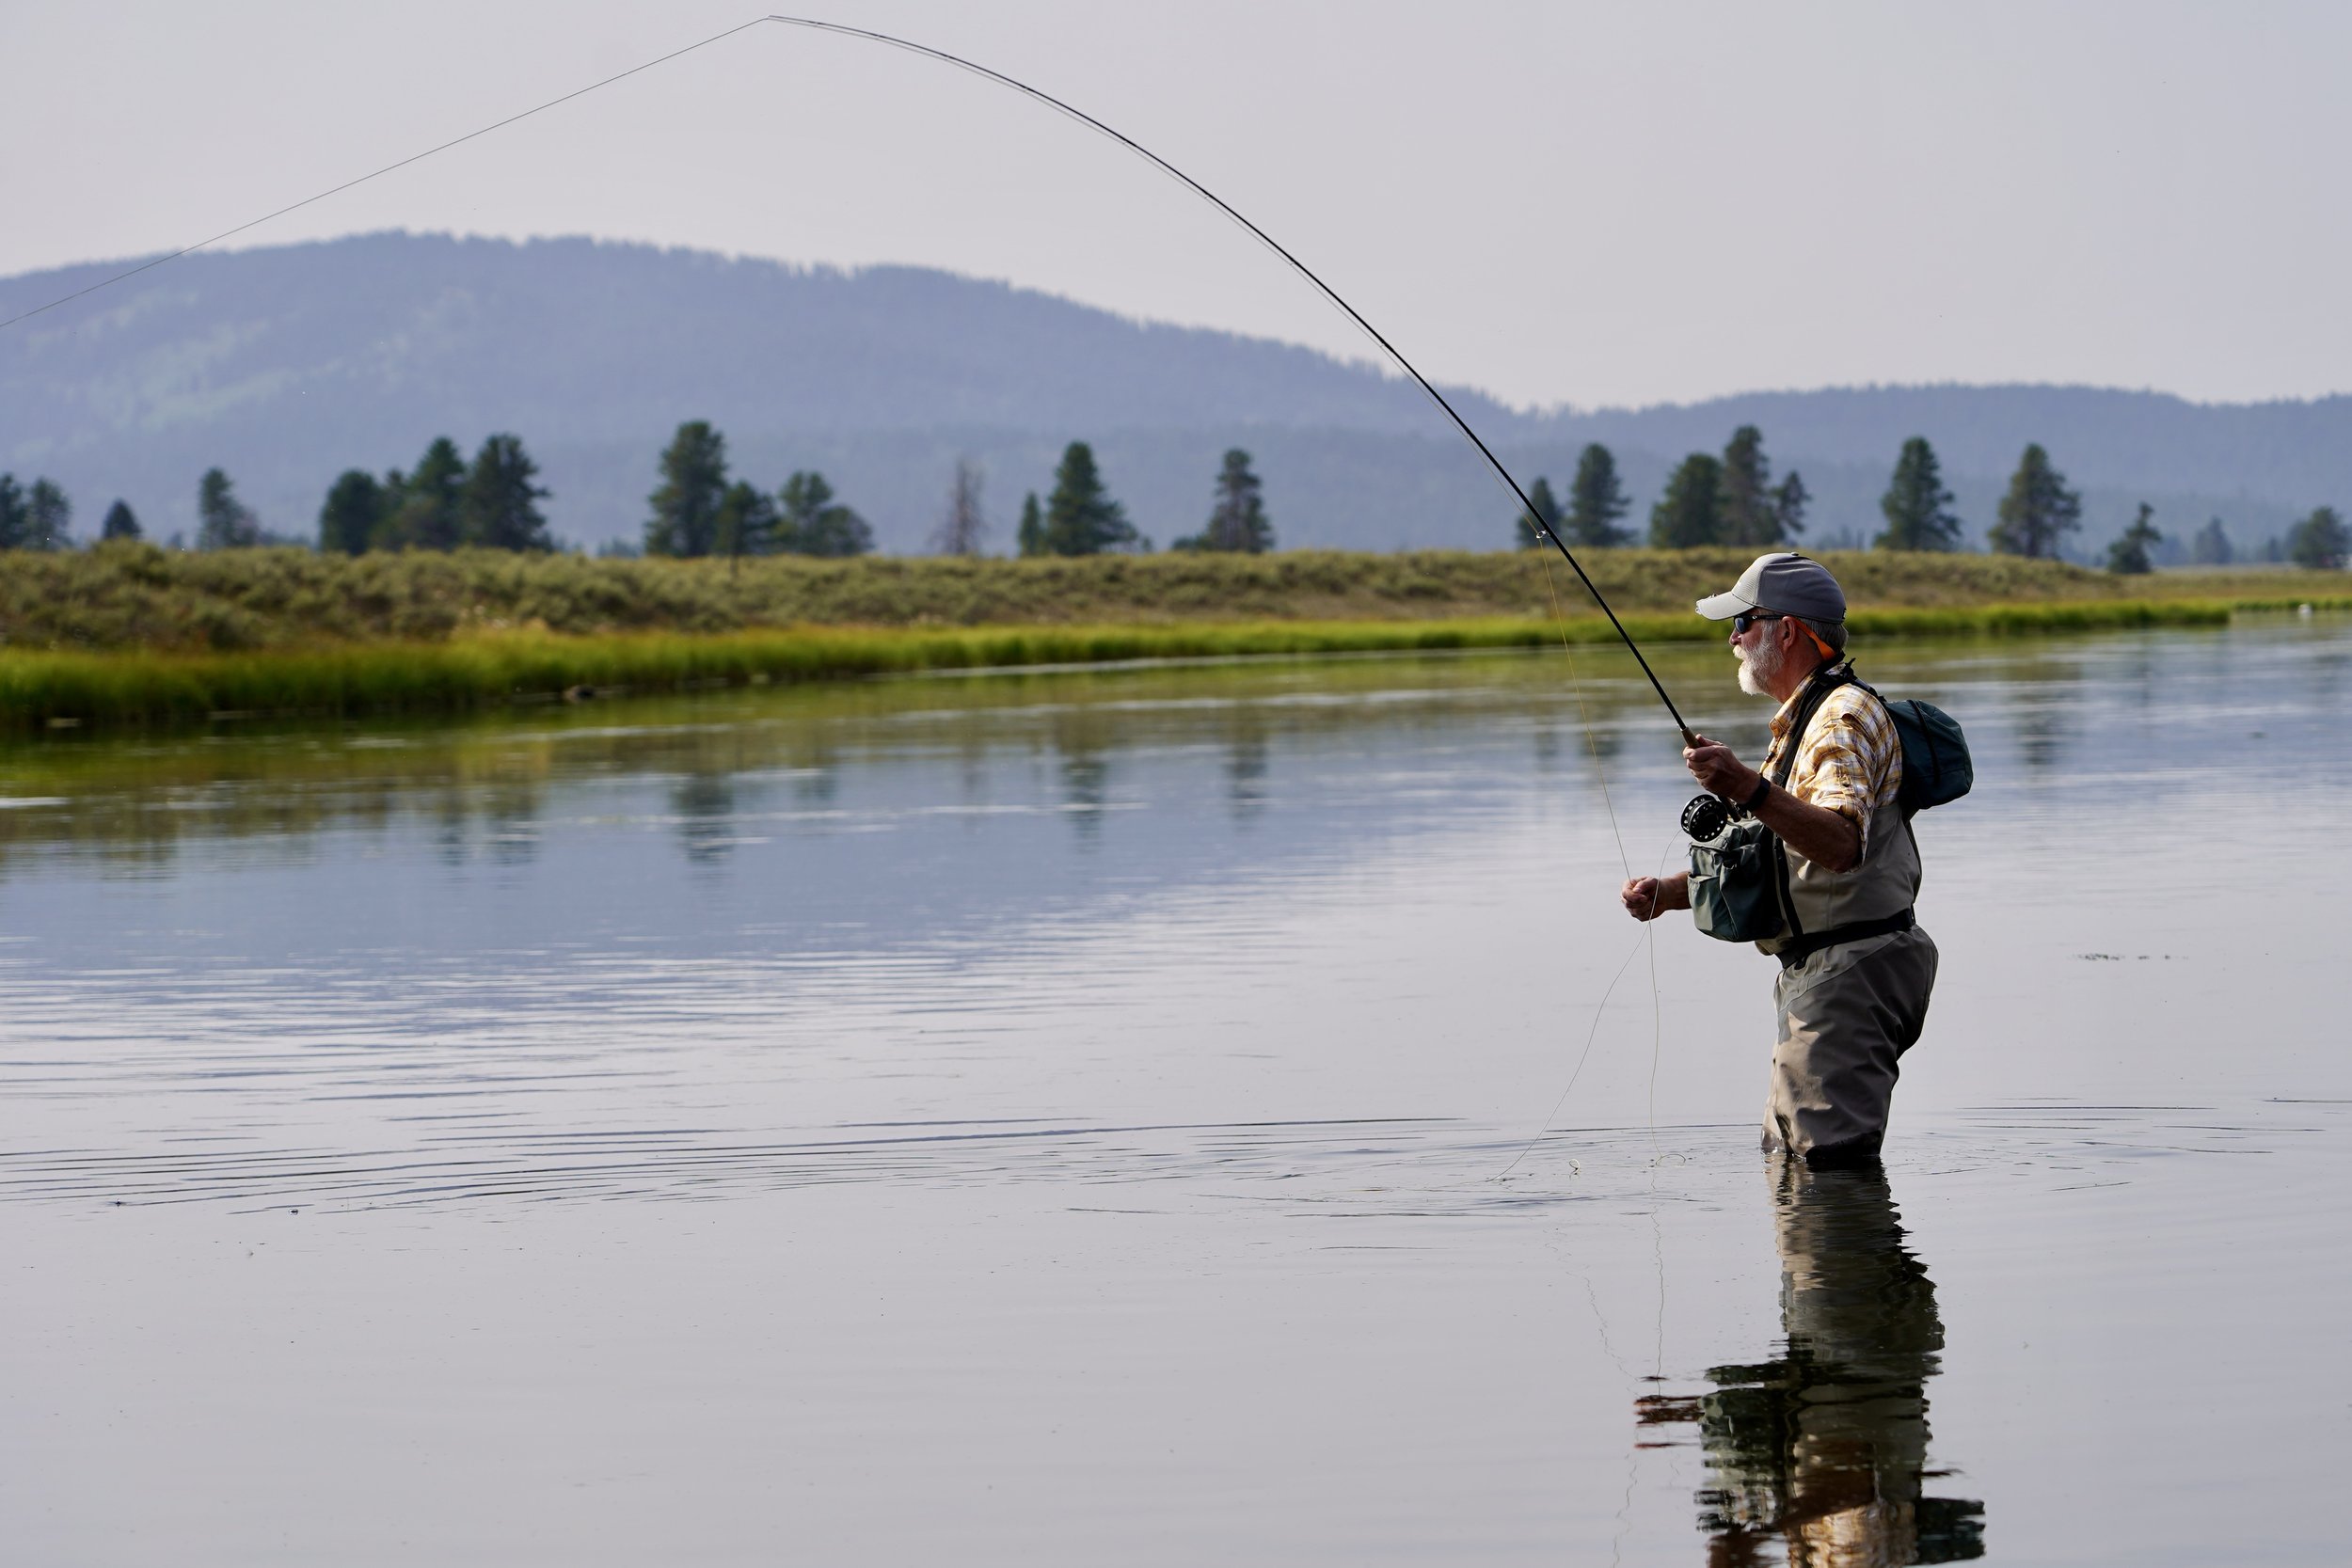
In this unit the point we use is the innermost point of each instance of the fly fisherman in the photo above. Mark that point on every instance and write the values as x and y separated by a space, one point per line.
1855 971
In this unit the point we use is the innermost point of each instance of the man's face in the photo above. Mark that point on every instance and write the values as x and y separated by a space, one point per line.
1761 654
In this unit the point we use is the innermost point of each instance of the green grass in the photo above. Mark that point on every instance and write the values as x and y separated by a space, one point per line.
137 636
145 688
137 597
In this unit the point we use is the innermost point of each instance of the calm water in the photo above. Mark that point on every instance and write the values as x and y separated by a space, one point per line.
1102 1117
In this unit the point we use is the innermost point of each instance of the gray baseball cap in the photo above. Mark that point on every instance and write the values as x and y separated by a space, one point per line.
1786 584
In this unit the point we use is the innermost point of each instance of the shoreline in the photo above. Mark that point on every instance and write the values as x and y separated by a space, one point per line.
142 688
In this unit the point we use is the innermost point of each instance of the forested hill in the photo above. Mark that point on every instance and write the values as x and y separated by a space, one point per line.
286 366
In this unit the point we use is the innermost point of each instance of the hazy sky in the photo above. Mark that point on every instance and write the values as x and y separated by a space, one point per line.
1559 202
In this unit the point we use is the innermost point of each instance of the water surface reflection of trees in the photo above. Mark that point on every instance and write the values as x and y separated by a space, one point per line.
1820 1456
480 787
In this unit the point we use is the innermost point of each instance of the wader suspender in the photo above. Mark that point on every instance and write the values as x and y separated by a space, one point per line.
1800 946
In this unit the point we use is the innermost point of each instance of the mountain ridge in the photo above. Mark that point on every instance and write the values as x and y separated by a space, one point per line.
287 364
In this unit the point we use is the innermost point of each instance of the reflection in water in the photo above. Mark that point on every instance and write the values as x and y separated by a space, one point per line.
705 803
1247 747
2041 729
1824 1449
1085 740
483 784
818 780
832 965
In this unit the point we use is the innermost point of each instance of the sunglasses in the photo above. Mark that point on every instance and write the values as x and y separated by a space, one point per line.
1746 618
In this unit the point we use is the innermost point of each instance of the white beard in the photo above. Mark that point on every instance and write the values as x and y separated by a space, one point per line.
1758 668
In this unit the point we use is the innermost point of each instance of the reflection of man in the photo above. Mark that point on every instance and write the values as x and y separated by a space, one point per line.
1827 1446
1855 970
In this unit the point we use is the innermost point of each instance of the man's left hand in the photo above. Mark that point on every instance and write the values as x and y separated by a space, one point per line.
1719 772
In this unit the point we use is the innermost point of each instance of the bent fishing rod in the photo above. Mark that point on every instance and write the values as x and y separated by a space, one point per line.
1535 519
1542 528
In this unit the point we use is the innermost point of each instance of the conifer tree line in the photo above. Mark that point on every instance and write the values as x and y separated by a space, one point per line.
1080 517
442 503
698 511
39 518
491 501
1731 499
1589 520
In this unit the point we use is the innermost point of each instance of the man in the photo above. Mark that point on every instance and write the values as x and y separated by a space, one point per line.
1855 971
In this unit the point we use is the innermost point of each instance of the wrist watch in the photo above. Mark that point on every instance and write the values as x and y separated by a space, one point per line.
1763 787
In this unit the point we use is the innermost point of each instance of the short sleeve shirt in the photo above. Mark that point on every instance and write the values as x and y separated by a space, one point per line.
1852 761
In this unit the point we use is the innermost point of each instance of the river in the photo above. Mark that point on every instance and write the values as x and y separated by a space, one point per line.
1137 1115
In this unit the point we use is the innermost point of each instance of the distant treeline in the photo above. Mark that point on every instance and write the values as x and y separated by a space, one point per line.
446 502
699 512
1732 501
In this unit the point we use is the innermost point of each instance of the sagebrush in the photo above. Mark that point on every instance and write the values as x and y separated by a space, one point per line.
130 596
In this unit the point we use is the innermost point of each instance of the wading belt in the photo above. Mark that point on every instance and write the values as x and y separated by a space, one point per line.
1801 948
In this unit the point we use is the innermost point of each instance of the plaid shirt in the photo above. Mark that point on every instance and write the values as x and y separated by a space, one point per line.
1852 761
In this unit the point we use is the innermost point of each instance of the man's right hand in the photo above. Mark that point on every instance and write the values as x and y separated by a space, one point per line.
1647 897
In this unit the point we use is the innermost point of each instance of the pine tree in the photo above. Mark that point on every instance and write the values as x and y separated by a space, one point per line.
16 518
1542 516
747 523
1745 513
1238 521
965 528
354 511
122 522
2039 510
1597 500
2212 547
1789 499
1080 516
497 506
813 523
50 517
2128 555
1031 538
1916 507
425 514
1688 514
224 522
685 520
2319 542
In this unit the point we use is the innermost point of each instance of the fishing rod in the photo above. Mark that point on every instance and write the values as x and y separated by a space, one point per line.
1542 528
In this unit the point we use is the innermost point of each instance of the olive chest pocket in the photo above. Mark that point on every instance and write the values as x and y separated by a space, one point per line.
1735 884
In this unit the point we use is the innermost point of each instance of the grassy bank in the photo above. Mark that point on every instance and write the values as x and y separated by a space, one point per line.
124 598
144 637
136 686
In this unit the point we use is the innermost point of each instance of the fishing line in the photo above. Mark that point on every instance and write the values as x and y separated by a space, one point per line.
387 168
1543 528
1590 1035
1648 939
1305 271
1585 716
1649 927
1001 79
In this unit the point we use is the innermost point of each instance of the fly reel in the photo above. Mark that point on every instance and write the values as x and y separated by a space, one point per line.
1708 815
